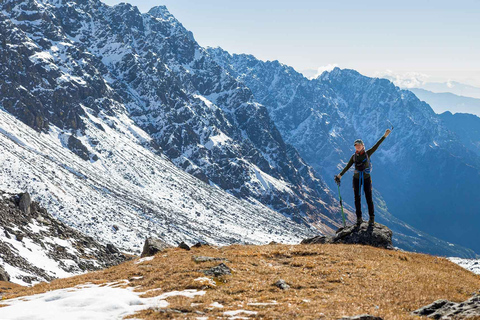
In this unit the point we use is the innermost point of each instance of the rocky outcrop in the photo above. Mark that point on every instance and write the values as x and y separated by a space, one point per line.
183 245
153 246
25 202
376 235
4 275
217 271
445 309
80 149
34 246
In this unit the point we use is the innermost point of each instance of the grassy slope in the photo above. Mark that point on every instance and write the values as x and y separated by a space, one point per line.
333 280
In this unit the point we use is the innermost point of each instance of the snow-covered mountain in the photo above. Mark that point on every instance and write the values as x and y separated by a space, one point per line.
148 67
100 122
128 193
423 172
111 117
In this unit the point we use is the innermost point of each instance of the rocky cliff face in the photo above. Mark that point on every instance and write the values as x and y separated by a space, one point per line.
115 60
466 127
36 247
414 169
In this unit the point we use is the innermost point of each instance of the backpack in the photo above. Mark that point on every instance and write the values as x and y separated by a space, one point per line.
365 165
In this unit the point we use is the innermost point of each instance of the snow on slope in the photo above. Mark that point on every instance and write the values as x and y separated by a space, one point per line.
36 247
87 301
469 264
207 123
130 187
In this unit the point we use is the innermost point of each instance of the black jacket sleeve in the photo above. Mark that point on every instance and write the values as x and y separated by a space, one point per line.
349 164
374 148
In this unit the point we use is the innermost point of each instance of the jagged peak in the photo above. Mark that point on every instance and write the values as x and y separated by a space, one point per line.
161 12
127 6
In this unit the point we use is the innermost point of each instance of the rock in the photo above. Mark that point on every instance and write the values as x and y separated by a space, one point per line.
152 246
183 245
317 239
77 147
362 317
24 203
200 243
220 270
112 249
4 275
377 235
282 284
445 309
18 236
205 258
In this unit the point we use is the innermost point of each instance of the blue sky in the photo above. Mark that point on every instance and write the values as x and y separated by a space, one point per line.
433 40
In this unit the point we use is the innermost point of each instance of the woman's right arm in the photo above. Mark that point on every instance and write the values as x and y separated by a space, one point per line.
349 164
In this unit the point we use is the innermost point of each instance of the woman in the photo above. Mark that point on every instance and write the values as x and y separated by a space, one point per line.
361 176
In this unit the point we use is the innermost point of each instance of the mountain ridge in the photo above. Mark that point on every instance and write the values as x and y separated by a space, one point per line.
144 81
320 117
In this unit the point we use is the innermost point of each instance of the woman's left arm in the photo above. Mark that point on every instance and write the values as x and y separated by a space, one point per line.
374 148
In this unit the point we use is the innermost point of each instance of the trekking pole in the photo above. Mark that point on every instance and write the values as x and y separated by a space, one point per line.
390 124
341 203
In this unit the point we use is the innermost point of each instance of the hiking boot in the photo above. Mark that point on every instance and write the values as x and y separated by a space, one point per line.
359 221
371 221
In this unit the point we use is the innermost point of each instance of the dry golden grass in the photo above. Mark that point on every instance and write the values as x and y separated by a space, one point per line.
327 281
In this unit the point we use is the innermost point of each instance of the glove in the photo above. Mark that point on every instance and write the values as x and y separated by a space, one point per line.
337 179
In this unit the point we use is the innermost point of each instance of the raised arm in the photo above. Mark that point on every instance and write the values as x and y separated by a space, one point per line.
374 148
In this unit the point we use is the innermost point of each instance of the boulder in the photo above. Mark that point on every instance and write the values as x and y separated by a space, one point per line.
183 245
199 244
362 317
376 235
220 270
445 309
112 249
4 275
25 202
153 246
282 284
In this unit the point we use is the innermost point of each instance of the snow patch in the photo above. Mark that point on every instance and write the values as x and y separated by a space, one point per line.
88 301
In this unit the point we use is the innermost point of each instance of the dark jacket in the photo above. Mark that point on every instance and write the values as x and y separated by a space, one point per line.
360 157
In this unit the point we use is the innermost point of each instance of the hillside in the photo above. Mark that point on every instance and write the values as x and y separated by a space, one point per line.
130 192
326 281
36 247
84 63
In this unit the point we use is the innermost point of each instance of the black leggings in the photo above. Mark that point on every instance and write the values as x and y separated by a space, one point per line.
367 188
